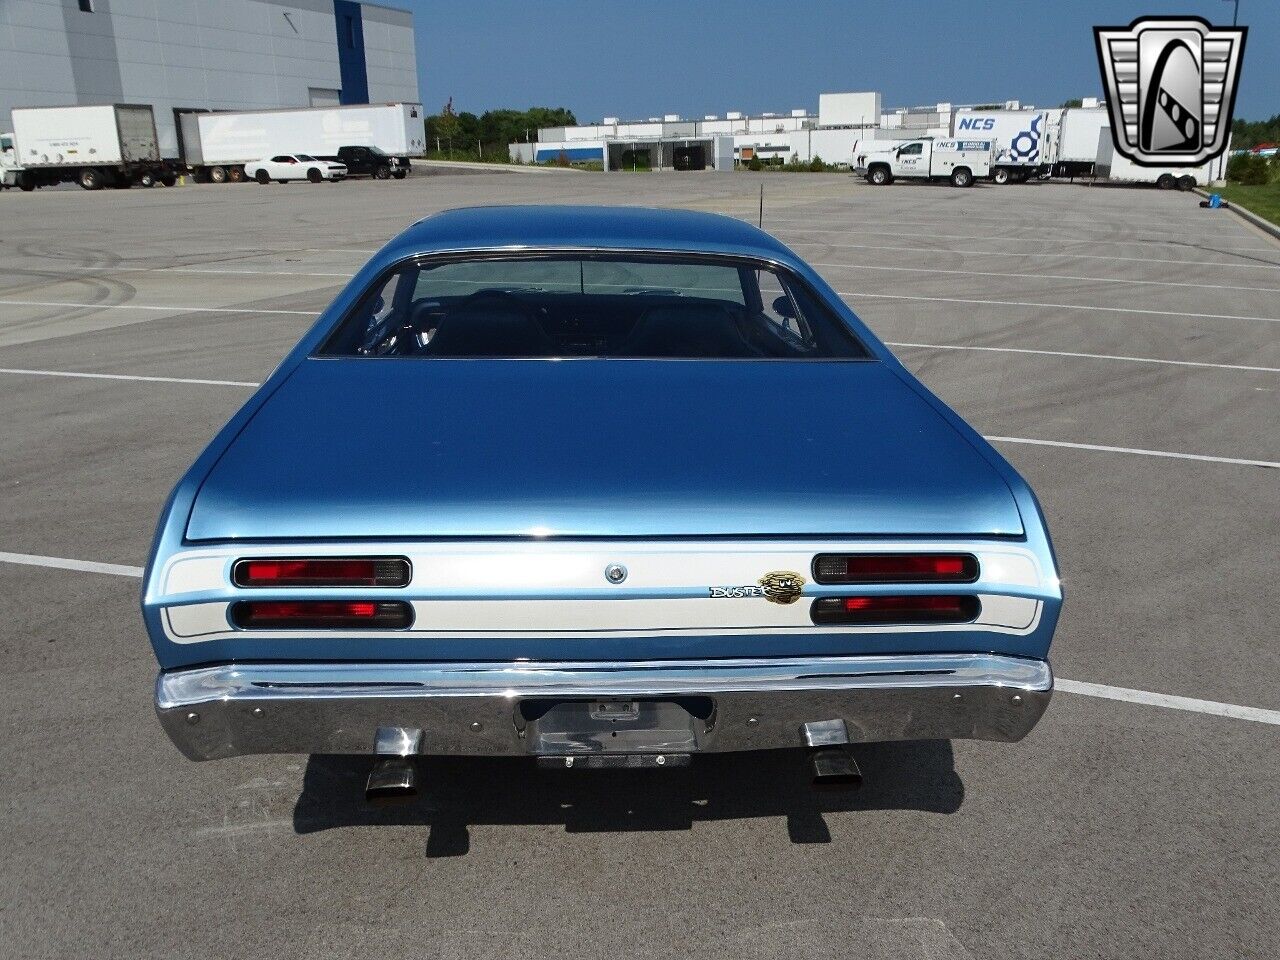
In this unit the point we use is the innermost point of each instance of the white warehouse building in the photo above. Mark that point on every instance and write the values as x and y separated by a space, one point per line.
186 55
844 123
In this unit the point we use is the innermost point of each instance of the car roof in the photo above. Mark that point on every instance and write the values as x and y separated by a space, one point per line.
577 227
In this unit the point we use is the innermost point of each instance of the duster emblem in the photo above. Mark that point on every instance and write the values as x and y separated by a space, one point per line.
782 586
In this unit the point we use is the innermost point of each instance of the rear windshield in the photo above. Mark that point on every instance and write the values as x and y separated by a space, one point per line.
630 307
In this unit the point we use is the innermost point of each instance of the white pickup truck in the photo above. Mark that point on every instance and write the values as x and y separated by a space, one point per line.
959 161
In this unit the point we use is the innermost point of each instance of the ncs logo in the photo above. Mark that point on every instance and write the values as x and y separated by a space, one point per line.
977 123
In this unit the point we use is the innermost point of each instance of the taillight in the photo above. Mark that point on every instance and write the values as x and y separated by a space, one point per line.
895 610
321 614
322 572
895 568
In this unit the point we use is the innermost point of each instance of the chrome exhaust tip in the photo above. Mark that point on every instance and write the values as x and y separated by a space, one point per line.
392 780
833 768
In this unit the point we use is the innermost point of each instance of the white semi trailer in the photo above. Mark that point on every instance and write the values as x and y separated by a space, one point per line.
114 145
1117 168
216 146
1077 141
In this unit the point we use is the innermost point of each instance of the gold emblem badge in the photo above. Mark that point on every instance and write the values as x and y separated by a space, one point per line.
782 586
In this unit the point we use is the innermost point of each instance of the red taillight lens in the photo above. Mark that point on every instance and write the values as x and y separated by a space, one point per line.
321 614
895 610
322 572
895 568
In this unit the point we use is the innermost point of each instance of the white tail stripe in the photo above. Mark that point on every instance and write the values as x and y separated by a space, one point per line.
1081 688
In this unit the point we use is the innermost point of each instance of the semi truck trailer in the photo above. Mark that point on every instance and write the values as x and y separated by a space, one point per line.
216 146
1077 140
1114 167
114 145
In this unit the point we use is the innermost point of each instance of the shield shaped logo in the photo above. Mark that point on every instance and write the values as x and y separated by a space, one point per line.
1171 87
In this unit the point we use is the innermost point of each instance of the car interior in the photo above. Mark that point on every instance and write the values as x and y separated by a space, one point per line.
409 315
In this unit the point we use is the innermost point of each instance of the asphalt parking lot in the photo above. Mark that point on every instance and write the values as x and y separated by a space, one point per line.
1134 337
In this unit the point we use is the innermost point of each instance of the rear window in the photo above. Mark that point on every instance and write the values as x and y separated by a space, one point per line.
626 307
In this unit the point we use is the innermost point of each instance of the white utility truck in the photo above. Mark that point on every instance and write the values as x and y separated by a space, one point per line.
113 145
1024 140
1117 168
959 161
216 146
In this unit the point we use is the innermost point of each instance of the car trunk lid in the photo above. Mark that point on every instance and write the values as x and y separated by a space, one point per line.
399 448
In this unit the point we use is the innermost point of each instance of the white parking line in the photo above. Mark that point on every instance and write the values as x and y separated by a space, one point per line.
1101 691
139 306
1137 451
1021 253
1162 229
1041 276
1089 356
1160 232
1056 306
123 376
1147 698
61 563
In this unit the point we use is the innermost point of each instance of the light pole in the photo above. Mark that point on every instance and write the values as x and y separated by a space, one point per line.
1235 15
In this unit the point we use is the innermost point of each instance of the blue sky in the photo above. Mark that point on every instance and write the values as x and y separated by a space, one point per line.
692 57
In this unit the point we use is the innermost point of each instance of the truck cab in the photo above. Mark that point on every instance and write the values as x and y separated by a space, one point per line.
362 161
8 162
958 161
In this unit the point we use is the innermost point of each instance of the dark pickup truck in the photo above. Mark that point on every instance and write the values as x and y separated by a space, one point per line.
371 162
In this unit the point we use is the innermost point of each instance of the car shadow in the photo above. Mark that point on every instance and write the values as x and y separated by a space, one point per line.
457 793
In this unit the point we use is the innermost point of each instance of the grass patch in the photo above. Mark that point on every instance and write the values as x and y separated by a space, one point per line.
1263 200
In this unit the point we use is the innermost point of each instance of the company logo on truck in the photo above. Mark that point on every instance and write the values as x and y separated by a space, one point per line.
977 123
1171 87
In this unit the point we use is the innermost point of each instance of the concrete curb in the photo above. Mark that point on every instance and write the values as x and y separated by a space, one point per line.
1248 215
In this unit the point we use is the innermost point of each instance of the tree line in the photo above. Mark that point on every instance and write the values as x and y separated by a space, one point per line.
465 135
1246 134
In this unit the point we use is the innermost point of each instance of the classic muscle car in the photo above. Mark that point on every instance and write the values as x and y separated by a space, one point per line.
602 487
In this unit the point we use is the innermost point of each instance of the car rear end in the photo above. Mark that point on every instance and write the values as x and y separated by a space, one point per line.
594 561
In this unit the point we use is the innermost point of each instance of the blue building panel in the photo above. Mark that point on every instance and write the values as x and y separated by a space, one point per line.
352 66
574 154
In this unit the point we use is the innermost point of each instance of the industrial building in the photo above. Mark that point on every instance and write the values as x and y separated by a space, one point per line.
842 120
184 55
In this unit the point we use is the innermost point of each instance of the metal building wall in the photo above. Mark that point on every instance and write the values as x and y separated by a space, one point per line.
192 54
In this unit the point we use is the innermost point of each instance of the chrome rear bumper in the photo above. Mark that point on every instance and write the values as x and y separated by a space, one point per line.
496 708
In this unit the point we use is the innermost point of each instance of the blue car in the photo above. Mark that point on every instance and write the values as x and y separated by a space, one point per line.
602 487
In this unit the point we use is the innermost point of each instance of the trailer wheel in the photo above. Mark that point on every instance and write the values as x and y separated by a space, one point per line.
217 174
235 174
879 176
1186 182
314 175
961 177
90 179
1001 175
147 179
262 177
169 178
1166 181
